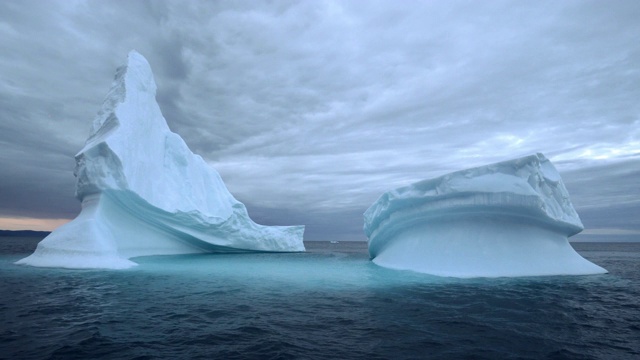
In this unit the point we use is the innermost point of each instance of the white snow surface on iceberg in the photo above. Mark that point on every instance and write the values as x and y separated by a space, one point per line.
143 192
511 218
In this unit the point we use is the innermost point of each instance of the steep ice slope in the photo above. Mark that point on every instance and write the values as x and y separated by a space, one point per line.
143 192
507 219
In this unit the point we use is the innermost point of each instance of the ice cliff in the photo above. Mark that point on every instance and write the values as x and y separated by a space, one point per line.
511 218
143 192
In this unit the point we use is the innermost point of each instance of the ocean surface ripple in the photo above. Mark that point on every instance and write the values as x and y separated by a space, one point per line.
330 302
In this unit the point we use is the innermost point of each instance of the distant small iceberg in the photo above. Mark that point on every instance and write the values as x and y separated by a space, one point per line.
334 242
511 218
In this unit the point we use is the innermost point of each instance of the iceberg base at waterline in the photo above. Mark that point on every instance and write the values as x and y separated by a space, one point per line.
506 219
484 246
116 226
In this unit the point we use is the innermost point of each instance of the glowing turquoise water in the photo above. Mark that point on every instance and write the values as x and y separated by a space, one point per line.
330 302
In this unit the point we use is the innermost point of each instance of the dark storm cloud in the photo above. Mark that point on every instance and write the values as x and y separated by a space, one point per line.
317 107
606 197
601 185
57 54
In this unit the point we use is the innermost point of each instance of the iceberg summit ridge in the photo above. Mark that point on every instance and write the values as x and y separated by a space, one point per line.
511 218
143 192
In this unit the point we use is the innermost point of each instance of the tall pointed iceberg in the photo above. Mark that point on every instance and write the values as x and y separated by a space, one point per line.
506 219
143 192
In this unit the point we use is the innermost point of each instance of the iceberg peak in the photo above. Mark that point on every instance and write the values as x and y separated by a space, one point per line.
138 74
133 81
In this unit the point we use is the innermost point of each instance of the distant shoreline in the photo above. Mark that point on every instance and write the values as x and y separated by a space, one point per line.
23 233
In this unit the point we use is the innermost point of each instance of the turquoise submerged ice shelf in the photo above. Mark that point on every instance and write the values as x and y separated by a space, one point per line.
143 192
506 219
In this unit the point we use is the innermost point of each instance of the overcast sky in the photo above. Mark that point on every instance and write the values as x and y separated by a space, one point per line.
310 110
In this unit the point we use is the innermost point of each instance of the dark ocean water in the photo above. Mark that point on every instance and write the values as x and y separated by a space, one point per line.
328 303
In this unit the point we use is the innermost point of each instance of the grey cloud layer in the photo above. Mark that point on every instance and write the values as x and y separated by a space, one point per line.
319 107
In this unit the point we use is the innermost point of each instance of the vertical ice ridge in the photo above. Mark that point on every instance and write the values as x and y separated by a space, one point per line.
98 168
116 95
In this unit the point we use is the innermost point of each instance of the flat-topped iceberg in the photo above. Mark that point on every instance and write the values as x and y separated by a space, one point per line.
143 192
511 218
